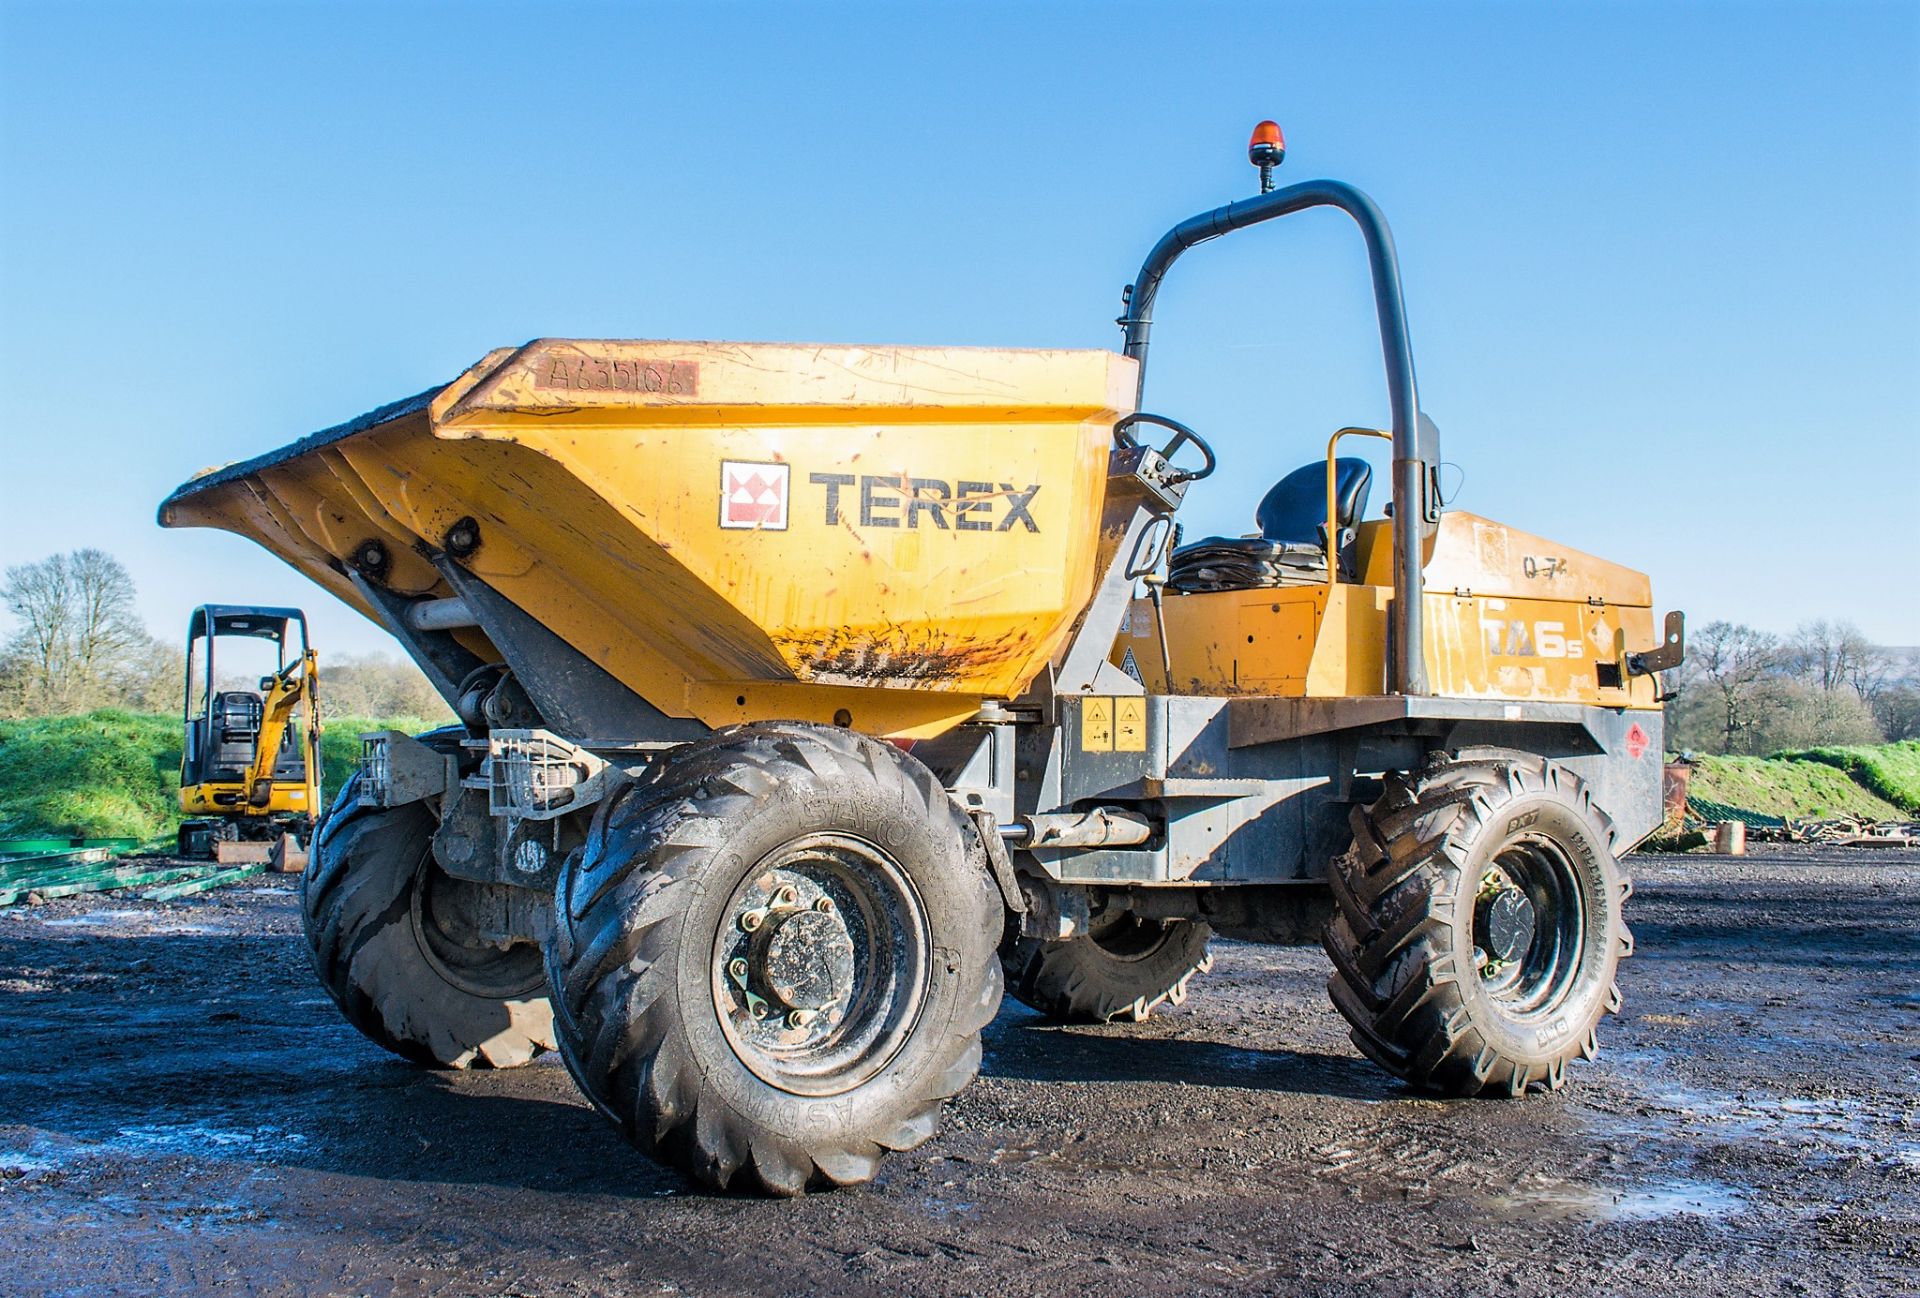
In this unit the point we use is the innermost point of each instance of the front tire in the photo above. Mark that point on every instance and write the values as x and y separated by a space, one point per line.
1477 926
391 945
774 956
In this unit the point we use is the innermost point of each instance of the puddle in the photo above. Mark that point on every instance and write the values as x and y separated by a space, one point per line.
1837 1122
1077 1158
1821 1124
194 1139
15 1164
94 919
1013 1154
138 923
1650 1202
936 1207
50 1160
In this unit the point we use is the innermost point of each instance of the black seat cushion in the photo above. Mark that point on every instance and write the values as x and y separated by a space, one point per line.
1291 547
1243 563
1296 509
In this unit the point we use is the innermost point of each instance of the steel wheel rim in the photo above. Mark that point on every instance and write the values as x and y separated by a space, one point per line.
850 1027
491 973
1128 938
1541 977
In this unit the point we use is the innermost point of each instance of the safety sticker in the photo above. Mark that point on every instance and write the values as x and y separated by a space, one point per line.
1113 725
1096 725
1637 741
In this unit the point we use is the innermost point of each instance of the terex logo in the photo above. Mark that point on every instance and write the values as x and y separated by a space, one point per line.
960 506
753 495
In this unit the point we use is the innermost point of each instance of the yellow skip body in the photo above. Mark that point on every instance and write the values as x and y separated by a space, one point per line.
734 531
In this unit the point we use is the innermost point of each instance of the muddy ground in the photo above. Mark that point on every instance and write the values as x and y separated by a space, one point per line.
182 1111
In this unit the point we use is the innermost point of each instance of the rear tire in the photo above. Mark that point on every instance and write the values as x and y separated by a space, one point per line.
384 925
724 1018
1123 970
1477 926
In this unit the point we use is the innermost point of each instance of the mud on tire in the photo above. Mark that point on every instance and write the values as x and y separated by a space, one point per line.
382 922
1452 869
656 966
1122 970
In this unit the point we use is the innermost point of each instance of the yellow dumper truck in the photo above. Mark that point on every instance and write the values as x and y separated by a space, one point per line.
810 695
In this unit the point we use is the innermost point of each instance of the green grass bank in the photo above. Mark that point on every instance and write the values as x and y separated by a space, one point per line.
1791 788
1889 771
112 774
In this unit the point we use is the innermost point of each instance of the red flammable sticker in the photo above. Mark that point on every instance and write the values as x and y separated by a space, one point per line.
1637 741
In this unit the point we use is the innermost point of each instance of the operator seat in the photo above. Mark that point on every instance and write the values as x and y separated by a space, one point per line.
236 717
1291 548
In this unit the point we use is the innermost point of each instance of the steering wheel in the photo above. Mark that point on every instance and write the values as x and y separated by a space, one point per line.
1182 436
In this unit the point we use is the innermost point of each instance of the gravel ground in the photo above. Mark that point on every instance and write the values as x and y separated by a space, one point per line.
182 1111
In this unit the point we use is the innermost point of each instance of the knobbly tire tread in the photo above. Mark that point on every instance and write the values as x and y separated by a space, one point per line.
1398 970
616 965
1079 981
356 909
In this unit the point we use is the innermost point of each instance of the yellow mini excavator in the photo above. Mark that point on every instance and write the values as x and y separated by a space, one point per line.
250 769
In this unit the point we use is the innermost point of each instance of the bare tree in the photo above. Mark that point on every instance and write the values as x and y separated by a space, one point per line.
40 596
78 633
1833 655
153 680
1731 664
377 685
1897 710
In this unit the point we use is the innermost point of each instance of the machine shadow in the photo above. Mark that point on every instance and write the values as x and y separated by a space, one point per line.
260 1070
175 1064
1022 1046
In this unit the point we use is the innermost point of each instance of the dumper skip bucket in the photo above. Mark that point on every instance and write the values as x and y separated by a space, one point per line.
879 536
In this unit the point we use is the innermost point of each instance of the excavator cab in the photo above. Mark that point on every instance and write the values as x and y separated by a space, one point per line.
250 765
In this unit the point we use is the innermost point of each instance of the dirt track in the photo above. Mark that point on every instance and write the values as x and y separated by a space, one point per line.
181 1111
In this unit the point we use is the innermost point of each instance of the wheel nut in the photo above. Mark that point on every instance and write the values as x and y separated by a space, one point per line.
752 920
787 896
737 970
800 1018
824 905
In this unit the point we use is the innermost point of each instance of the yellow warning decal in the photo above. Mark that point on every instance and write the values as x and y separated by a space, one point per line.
1096 725
1129 725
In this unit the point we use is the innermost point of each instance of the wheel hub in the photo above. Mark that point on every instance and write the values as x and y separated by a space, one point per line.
806 963
798 962
1505 921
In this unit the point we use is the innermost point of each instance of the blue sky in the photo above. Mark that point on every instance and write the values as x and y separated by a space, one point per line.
1662 261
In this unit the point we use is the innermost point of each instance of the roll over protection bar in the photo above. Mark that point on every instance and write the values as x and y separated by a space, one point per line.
1416 443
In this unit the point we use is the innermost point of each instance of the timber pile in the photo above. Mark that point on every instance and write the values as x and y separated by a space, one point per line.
1838 831
1852 831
